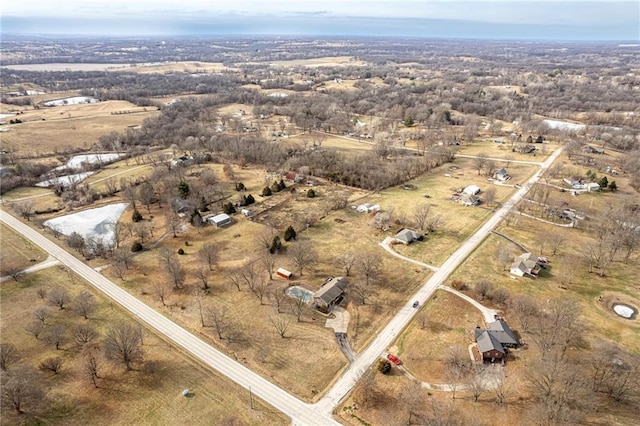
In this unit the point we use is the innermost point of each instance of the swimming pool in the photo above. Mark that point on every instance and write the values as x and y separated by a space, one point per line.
299 293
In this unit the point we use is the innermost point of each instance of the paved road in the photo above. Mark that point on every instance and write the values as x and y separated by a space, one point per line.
386 244
300 412
386 337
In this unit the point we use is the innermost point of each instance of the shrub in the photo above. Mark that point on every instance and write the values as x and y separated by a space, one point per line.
240 186
228 208
180 251
276 245
500 295
459 285
384 366
311 193
482 289
136 246
136 216
290 234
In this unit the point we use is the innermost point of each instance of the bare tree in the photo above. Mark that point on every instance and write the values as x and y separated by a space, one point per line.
162 292
147 195
489 195
302 255
119 269
502 390
278 298
346 261
299 307
24 209
208 255
41 314
42 292
480 161
22 390
174 270
52 363
477 386
363 290
91 366
123 343
268 262
35 328
123 255
504 256
482 289
203 275
218 317
525 308
199 296
76 242
557 328
84 304
57 335
59 296
173 223
129 192
8 355
265 237
556 239
84 333
111 185
235 278
260 289
281 324
370 265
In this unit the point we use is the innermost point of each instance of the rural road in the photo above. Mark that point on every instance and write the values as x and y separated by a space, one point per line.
300 412
393 329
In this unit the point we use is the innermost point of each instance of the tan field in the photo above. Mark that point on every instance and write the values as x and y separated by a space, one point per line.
149 394
73 126
17 253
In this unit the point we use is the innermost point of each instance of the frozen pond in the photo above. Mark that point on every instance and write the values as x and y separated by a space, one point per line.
91 224
6 116
72 101
564 125
64 180
77 160
299 293
625 311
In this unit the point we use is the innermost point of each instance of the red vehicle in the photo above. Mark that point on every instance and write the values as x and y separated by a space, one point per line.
394 359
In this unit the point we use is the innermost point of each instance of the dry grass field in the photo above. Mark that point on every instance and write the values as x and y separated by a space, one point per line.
52 129
423 345
147 395
329 61
504 151
17 253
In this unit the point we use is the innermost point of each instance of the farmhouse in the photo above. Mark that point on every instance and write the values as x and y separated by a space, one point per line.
468 199
407 236
525 264
283 273
219 220
471 190
489 346
330 294
501 175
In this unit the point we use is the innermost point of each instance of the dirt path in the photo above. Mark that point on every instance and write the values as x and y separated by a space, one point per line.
488 313
386 244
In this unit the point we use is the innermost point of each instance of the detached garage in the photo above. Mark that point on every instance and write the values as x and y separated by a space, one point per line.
283 273
219 220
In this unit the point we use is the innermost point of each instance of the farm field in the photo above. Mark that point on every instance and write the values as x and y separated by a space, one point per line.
71 127
148 394
17 253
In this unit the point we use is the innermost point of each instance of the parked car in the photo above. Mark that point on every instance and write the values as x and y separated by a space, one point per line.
416 304
394 359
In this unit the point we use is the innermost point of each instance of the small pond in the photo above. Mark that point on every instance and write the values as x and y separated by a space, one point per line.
625 311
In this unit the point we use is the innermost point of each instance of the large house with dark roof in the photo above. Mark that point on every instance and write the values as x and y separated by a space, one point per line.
330 294
493 342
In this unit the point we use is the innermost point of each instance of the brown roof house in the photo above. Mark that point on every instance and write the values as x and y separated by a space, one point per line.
330 294
525 264
493 342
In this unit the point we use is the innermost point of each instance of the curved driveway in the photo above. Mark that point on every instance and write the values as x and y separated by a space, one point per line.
386 337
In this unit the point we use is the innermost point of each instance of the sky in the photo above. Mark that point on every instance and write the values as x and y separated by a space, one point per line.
488 19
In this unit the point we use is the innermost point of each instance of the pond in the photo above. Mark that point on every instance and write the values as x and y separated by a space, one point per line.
625 311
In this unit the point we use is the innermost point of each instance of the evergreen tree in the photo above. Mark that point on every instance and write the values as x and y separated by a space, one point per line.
228 208
136 216
240 186
275 187
539 139
196 219
183 189
266 191
204 206
290 234
603 182
276 245
281 185
311 193
250 200
613 186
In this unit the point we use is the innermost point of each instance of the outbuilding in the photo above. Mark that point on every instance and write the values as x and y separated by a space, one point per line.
471 190
220 220
283 273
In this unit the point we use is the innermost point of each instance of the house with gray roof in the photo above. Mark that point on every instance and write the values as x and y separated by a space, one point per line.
525 264
330 294
493 342
489 346
407 236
